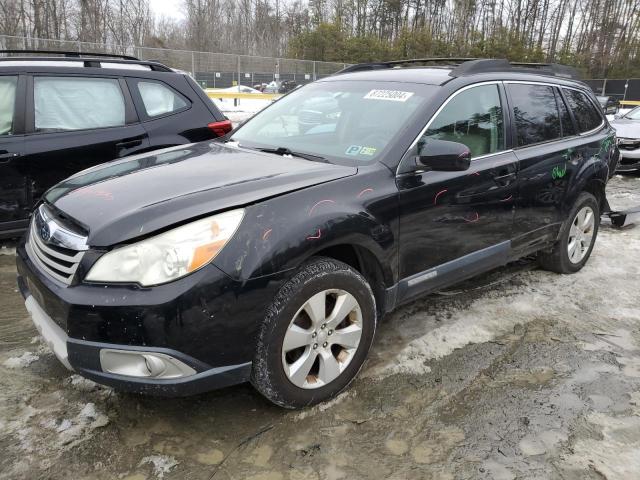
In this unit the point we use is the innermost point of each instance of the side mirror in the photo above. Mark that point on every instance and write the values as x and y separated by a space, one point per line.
444 156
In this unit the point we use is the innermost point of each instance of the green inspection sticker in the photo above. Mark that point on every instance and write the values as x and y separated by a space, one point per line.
368 151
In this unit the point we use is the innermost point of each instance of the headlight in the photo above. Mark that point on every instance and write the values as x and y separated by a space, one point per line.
170 255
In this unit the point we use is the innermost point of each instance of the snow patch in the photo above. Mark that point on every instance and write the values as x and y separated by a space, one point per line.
161 464
23 361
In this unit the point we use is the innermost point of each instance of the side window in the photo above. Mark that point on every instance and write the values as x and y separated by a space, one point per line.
587 117
568 128
77 103
159 99
7 104
473 117
535 113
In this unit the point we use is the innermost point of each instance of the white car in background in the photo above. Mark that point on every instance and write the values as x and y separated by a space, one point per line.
627 127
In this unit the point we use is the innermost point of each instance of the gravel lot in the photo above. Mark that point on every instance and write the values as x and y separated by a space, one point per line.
519 374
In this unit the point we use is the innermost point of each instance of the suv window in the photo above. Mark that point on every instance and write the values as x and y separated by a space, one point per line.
535 112
74 103
7 103
159 99
474 118
587 117
568 127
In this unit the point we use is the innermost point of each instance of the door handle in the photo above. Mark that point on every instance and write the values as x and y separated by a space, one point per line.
506 179
6 156
129 143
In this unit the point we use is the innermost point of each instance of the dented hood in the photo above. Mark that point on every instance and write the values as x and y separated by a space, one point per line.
128 198
626 128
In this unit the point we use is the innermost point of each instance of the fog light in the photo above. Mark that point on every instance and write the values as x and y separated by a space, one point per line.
143 364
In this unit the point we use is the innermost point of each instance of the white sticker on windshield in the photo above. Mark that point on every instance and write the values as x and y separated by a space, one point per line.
391 95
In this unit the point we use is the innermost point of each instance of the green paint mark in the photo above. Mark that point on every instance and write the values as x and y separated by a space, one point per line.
559 172
605 145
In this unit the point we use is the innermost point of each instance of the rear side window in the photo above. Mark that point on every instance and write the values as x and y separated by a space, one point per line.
535 113
75 103
568 128
587 117
473 118
159 99
7 103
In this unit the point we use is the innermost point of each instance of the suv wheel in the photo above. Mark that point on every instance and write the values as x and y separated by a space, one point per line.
577 237
315 336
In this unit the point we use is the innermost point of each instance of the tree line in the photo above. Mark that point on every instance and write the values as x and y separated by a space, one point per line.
601 37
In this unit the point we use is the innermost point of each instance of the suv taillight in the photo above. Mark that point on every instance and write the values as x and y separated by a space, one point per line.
220 128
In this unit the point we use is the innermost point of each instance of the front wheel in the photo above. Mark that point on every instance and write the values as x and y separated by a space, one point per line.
315 336
577 237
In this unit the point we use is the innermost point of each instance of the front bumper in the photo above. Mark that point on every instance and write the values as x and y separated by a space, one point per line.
629 159
205 321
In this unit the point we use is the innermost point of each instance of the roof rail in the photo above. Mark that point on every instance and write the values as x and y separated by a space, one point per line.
448 61
72 54
88 56
470 66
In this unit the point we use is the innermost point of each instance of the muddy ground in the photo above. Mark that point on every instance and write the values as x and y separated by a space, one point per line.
520 374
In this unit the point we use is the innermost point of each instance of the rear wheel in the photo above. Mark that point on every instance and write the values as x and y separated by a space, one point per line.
316 335
577 237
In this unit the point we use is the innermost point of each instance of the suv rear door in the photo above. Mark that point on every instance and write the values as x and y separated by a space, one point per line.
14 202
171 111
456 224
75 122
550 148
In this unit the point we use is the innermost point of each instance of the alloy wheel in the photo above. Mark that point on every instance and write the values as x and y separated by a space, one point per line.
581 234
322 338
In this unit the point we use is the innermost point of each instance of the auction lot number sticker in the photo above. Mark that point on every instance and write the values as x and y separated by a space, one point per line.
390 95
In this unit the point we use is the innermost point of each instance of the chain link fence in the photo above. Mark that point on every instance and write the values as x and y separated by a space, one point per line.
211 70
621 89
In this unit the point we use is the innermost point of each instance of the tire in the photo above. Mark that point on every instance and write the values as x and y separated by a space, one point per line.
559 259
322 285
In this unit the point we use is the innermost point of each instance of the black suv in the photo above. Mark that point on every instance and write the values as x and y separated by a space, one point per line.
271 255
60 115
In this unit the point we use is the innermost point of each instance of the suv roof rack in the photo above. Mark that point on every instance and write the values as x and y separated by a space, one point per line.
88 57
469 66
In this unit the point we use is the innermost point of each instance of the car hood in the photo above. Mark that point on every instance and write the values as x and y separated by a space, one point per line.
128 198
626 128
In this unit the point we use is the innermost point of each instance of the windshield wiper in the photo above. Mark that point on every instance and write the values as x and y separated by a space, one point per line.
287 151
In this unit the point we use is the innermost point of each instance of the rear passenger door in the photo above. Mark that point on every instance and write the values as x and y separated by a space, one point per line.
75 122
13 192
543 130
169 116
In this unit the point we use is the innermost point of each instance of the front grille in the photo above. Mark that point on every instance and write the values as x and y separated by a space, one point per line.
628 144
60 262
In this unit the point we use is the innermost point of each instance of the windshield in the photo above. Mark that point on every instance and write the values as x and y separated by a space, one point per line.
633 114
349 122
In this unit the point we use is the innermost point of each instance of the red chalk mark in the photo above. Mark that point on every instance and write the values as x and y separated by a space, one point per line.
320 203
266 234
507 199
435 199
315 237
477 217
477 174
366 190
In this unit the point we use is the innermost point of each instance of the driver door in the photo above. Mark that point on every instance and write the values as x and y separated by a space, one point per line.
454 225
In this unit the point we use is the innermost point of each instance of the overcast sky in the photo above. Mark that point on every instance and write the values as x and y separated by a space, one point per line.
167 8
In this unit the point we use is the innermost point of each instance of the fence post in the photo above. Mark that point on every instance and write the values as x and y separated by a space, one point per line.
314 71
193 64
626 85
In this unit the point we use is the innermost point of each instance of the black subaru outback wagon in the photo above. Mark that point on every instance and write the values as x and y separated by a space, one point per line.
270 256
62 114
